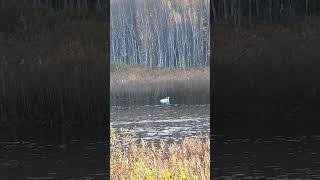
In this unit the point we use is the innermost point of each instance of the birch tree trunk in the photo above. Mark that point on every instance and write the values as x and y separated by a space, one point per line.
99 4
79 4
168 34
85 4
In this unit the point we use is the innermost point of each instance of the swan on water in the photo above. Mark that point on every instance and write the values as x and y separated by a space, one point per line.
165 100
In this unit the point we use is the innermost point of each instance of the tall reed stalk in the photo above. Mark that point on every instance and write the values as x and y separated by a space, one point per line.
53 68
189 159
136 81
51 95
267 74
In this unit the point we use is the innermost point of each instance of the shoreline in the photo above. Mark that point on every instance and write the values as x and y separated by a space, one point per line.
189 158
133 81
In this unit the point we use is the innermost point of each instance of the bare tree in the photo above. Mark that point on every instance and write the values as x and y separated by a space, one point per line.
248 12
160 33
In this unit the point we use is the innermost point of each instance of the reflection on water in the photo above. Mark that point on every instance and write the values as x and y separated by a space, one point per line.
274 158
154 100
52 155
162 122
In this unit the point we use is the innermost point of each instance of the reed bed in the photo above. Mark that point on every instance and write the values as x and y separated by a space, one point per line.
53 68
187 160
51 95
136 81
268 73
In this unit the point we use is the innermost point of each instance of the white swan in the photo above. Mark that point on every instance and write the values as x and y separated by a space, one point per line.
165 101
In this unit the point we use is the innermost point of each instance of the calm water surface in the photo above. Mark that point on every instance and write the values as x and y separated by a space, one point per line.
280 157
162 122
45 154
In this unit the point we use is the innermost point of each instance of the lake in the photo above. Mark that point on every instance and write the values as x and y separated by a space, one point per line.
154 122
53 154
81 153
272 158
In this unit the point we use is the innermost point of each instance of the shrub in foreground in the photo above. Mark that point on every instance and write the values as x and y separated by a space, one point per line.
186 160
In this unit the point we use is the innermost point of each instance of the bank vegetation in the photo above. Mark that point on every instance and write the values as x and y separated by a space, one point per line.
53 68
188 159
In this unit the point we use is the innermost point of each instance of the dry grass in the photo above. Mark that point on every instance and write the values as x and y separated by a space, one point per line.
231 42
53 95
41 35
267 72
53 68
187 160
133 80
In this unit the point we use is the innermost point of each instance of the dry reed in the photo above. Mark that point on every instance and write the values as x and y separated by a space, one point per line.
187 160
51 95
53 68
133 80
268 73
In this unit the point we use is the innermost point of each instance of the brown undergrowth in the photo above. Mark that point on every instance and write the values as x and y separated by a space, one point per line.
187 160
134 80
267 68
53 68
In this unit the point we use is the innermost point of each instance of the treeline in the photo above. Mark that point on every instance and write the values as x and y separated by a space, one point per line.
160 33
55 4
249 12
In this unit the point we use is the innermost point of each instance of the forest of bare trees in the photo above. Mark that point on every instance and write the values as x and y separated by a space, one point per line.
248 12
55 4
160 33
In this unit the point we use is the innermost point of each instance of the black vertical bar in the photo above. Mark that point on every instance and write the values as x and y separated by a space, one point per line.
212 102
106 7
